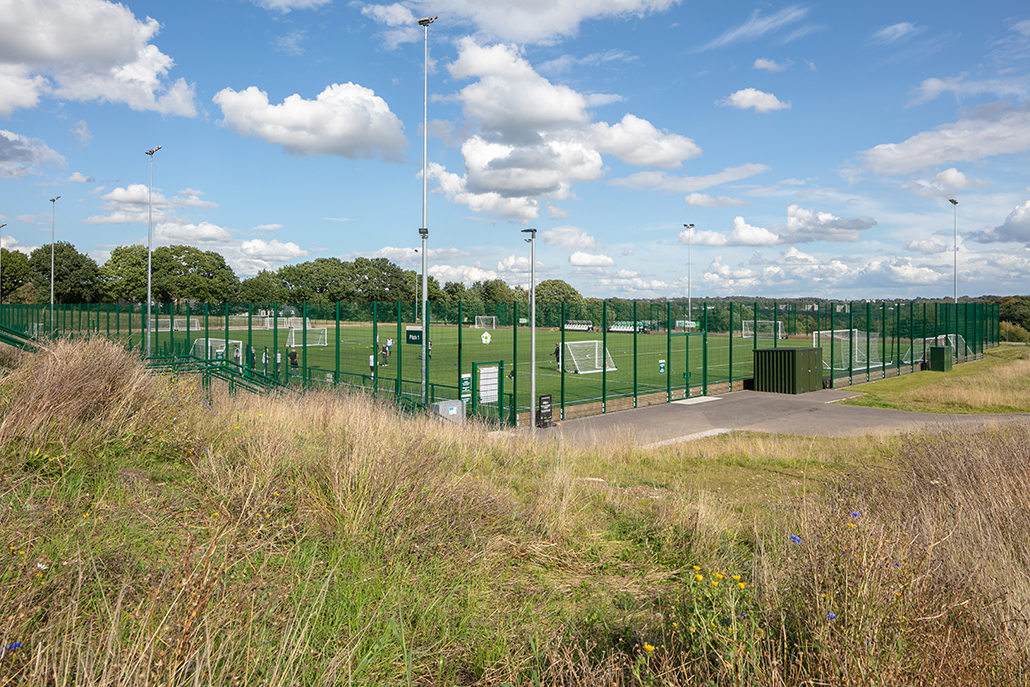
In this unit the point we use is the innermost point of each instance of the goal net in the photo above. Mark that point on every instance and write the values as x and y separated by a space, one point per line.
486 322
314 337
282 323
217 349
767 329
847 349
584 357
920 348
182 324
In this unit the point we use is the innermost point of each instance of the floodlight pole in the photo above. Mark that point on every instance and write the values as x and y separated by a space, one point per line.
1 264
954 207
424 229
53 223
150 238
690 238
532 329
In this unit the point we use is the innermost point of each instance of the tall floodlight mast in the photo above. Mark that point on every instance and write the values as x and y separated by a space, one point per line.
424 229
532 329
150 239
53 223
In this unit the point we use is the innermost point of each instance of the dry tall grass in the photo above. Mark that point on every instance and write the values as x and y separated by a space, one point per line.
158 537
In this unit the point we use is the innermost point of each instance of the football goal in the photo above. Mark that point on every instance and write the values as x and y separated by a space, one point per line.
584 357
919 350
314 337
183 324
282 323
767 329
486 322
848 349
217 349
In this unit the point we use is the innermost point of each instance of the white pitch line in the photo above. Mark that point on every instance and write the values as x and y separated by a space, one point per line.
689 437
696 400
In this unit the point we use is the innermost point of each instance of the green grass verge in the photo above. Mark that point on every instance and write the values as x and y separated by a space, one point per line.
1000 383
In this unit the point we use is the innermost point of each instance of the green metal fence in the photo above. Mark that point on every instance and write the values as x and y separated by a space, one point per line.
659 351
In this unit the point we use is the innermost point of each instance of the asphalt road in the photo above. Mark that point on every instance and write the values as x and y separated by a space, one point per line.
817 413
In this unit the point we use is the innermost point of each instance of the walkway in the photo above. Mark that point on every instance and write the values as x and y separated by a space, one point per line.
813 414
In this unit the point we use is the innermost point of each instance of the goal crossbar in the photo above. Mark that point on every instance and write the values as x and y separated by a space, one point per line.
766 329
586 357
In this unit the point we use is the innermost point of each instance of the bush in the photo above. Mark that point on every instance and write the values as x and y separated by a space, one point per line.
1013 332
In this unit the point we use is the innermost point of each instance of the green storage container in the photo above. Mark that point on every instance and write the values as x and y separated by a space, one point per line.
940 358
788 370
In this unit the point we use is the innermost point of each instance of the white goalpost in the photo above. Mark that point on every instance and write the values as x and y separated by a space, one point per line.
767 329
585 357
315 337
216 349
181 324
486 322
916 352
282 323
848 349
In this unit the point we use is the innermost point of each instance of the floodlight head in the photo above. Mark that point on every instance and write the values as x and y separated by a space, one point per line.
152 151
952 201
530 231
427 21
2 226
689 226
54 200
423 232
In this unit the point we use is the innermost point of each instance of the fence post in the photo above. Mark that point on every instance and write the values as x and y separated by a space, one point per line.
704 354
833 377
375 349
336 374
668 351
514 363
604 353
460 368
561 360
634 354
730 388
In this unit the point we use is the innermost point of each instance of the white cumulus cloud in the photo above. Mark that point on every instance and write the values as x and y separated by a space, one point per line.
345 119
760 101
771 65
534 139
85 50
1015 228
517 20
21 155
582 259
703 200
571 238
991 130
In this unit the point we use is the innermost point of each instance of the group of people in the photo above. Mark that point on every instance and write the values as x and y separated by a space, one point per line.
387 350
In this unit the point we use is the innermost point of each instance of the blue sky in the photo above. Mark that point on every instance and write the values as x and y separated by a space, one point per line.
813 146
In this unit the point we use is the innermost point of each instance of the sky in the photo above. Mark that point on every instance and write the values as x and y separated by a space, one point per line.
814 147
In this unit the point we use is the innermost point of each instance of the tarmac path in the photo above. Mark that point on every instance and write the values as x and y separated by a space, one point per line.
817 413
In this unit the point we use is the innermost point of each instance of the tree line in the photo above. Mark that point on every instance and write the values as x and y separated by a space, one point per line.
186 273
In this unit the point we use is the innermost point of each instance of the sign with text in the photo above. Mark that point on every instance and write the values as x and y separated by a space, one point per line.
488 385
414 336
661 367
465 388
543 411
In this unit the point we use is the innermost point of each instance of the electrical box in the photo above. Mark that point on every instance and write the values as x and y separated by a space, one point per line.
788 370
450 410
940 358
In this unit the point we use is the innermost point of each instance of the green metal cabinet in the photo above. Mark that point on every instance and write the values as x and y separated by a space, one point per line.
788 370
940 358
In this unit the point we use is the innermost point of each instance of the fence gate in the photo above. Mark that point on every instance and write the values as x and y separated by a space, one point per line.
488 390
